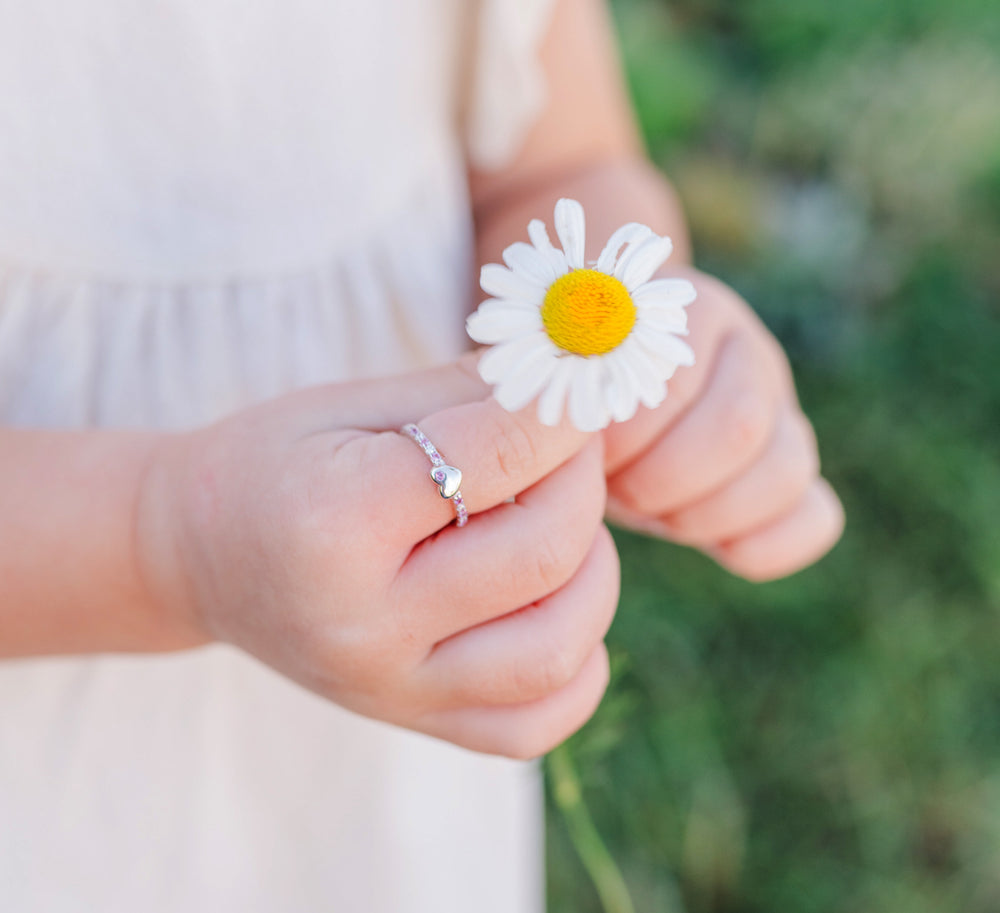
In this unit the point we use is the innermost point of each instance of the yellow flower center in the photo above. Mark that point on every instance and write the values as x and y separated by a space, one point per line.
588 312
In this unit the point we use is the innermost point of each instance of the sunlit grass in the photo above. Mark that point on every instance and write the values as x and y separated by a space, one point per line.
830 742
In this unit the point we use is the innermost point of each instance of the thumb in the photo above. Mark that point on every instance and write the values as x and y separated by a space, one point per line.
386 403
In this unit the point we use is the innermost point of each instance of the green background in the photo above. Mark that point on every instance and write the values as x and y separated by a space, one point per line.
830 742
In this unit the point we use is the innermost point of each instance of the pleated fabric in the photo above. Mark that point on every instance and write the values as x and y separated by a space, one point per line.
204 204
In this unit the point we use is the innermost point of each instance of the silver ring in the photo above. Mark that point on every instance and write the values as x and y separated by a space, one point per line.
446 477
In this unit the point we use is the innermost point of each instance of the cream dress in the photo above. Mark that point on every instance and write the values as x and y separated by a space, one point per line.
205 203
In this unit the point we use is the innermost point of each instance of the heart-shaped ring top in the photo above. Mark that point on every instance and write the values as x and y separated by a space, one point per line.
449 480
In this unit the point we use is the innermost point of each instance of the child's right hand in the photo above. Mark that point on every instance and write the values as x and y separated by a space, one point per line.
309 533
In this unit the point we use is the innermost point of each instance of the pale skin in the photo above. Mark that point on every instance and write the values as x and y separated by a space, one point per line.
307 532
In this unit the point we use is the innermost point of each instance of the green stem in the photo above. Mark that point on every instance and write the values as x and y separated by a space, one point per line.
596 859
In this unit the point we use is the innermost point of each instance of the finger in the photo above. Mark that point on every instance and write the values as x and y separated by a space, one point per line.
526 730
717 313
387 403
710 319
499 453
531 653
509 557
790 543
617 514
712 443
769 489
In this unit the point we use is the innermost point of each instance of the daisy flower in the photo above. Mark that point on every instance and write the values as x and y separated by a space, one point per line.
595 340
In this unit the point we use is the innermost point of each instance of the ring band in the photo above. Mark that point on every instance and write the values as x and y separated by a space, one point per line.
447 478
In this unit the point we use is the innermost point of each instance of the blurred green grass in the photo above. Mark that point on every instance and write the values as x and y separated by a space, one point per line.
830 742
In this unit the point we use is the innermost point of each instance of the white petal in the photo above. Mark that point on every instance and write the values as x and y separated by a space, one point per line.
648 374
663 367
631 233
587 409
671 319
571 229
512 303
621 387
550 403
665 345
640 371
664 291
540 238
641 260
559 265
527 261
500 282
652 393
539 235
498 322
525 381
499 361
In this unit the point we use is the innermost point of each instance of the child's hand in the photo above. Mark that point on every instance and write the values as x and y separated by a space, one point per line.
728 463
308 534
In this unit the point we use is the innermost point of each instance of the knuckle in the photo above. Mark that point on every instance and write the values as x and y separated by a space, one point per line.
761 557
796 463
835 517
614 576
601 680
316 509
798 468
554 559
605 675
514 449
591 494
687 525
777 358
555 670
606 550
537 675
809 531
627 488
541 735
604 563
809 447
747 419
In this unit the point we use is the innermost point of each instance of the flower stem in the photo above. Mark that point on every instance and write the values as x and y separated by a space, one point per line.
596 859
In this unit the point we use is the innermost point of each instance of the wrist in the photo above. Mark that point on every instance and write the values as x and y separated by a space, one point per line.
612 191
157 545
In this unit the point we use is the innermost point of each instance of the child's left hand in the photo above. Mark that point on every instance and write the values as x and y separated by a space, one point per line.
728 463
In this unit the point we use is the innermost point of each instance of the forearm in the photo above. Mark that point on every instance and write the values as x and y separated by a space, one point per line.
585 145
71 578
614 191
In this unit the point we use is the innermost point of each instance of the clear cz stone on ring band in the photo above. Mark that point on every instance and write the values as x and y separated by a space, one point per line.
447 478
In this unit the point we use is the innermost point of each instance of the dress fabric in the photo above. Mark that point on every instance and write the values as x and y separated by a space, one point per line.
203 204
